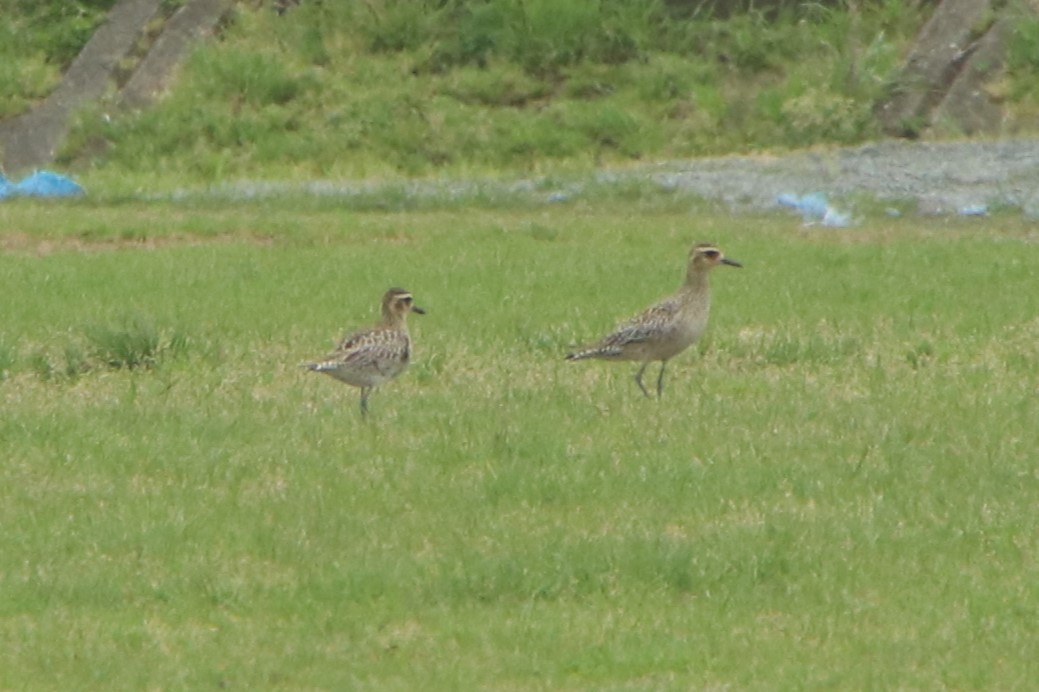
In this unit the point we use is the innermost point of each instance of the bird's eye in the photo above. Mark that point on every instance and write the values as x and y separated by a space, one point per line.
712 254
406 300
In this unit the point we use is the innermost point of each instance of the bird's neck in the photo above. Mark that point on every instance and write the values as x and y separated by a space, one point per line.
390 319
696 280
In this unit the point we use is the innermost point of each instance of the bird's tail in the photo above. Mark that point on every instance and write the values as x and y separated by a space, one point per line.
606 351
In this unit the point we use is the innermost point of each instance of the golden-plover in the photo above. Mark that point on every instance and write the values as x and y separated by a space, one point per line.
666 329
369 357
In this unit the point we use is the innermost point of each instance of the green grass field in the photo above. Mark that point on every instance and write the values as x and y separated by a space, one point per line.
838 490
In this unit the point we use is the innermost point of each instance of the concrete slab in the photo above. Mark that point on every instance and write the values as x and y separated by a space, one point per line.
30 140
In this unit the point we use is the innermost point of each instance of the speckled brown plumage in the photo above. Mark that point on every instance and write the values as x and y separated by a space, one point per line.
667 328
369 357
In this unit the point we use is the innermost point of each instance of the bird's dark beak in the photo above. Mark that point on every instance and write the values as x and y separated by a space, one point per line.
731 262
415 308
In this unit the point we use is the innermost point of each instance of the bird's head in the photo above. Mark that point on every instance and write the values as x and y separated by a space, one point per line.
397 303
705 256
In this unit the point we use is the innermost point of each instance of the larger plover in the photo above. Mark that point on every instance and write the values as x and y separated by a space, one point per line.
667 328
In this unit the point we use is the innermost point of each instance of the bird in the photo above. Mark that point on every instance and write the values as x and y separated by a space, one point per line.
668 327
368 357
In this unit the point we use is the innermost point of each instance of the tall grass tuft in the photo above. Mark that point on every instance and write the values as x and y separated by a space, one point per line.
1023 60
77 361
40 364
8 357
134 342
250 78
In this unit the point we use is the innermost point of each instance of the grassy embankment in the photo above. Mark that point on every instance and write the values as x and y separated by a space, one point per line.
389 89
403 88
838 488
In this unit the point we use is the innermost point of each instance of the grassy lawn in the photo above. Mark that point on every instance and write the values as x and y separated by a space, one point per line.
839 488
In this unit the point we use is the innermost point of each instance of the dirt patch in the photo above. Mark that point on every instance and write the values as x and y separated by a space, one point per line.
17 242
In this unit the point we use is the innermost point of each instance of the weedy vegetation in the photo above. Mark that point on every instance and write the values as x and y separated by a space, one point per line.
392 88
838 488
133 343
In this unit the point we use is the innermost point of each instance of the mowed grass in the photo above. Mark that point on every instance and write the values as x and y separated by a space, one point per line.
839 488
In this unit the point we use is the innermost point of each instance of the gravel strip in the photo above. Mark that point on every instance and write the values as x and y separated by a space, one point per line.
967 177
939 177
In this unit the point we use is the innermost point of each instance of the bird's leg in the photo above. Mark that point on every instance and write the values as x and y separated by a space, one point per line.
365 391
660 379
638 378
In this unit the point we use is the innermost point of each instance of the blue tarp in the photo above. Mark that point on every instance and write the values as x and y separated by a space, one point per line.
815 209
41 184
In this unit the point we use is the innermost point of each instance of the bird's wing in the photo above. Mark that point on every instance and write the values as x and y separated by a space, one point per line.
373 349
647 325
354 339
